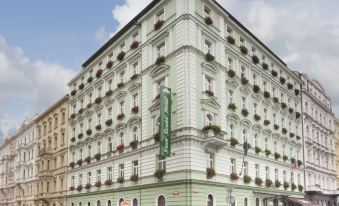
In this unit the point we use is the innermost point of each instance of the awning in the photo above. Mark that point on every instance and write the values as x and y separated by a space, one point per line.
301 201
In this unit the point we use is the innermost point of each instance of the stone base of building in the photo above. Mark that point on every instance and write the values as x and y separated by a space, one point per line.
322 199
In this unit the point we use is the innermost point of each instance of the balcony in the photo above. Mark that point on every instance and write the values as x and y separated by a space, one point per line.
45 151
214 140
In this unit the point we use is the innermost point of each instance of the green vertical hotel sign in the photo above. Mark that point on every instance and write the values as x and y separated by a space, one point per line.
165 121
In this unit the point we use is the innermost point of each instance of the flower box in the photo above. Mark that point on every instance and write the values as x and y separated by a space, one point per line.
121 56
210 173
297 92
300 188
135 109
275 99
109 64
300 163
256 89
120 147
80 136
98 100
244 80
89 79
234 176
121 116
81 86
159 174
98 127
73 139
216 129
109 93
231 73
134 144
233 142
156 137
274 73
277 156
79 188
72 116
158 24
108 182
209 57
71 188
98 183
88 186
267 122
134 76
257 150
284 130
79 162
290 86
134 178
109 122
121 84
258 181
97 156
98 73
244 112
230 40
160 60
134 45
209 93
73 92
72 164
282 80
286 185
243 50
267 94
268 183
283 105
285 158
232 106
293 186
276 127
257 117
277 183
208 20
88 159
265 66
268 152
255 59
247 179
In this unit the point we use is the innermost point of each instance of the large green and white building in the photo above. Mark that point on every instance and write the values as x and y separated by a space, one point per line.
227 88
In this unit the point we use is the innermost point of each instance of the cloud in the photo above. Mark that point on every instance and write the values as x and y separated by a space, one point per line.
27 87
102 35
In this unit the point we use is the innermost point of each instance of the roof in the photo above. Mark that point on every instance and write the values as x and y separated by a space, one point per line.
59 102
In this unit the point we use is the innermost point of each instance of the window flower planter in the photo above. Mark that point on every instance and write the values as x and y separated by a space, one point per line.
79 188
157 97
72 116
267 94
283 105
286 185
134 178
134 45
156 137
71 188
109 64
97 156
290 110
297 115
293 186
277 183
210 173
81 110
109 122
90 79
158 24
231 73
88 159
255 59
285 158
277 156
99 73
135 109
98 127
73 92
209 93
257 117
233 142
230 40
300 188
284 130
234 176
109 93
276 127
265 66
257 150
232 107
215 128
81 86
80 136
292 135
160 60
297 92
209 57
243 50
267 122
134 76
274 73
244 80
247 179
159 174
298 137
121 116
134 144
120 147
300 163
88 186
108 182
98 183
121 56
292 160
244 112
256 89
73 139
268 152
208 20
89 105
98 100
268 183
290 86
121 84
258 181
282 80
276 100
71 165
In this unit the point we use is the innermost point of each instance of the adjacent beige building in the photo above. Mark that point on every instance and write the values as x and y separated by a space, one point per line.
51 164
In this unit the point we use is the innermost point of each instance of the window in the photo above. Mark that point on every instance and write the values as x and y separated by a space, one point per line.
109 113
230 63
98 175
246 168
121 107
233 166
276 174
208 83
207 11
160 16
267 172
209 119
243 100
122 77
80 179
257 202
207 47
245 202
256 140
98 203
242 41
135 68
243 72
255 107
232 131
109 203
123 47
135 167
160 83
135 202
210 160
99 118
72 180
109 173
161 49
284 176
121 138
121 170
229 31
230 96
135 133
135 37
257 170
161 201
161 163
89 177
210 201
135 100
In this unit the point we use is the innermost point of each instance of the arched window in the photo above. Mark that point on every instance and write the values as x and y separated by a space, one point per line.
135 202
88 203
157 126
210 201
135 133
80 204
257 202
256 141
161 201
209 119
121 200
109 203
121 138
89 150
244 135
72 204
245 202
99 147
98 203
232 131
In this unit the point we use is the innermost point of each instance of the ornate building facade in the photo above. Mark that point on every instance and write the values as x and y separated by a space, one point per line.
229 90
51 161
336 139
318 127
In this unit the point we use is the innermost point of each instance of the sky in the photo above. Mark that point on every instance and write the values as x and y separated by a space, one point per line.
43 45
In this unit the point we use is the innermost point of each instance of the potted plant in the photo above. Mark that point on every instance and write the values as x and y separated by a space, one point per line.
277 156
232 106
109 64
258 181
98 127
134 76
300 188
97 156
275 99
234 176
293 186
156 137
98 183
79 188
285 158
108 182
98 73
88 186
290 86
120 84
243 50
268 152
73 92
121 116
72 164
208 20
244 112
268 183
81 86
292 134
286 185
215 128
299 163
121 56
80 135
210 172
230 40
244 80
120 148
283 105
247 179
231 73
284 130
109 93
109 122
255 59
89 79
277 183
209 57
265 66
233 142
71 188
160 60
276 127
88 132
79 162
158 24
209 93
159 174
257 150
282 80
135 109
267 94
134 178
134 44
274 73
88 159
256 88
97 100
267 122
257 117
133 144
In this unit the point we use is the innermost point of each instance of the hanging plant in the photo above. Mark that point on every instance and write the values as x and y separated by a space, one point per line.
109 122
293 186
247 179
209 57
230 40
243 50
257 150
234 176
257 117
292 160
72 116
88 159
233 142
121 56
232 107
160 60
120 147
88 186
292 135
121 116
97 156
79 162
158 24
73 139
256 89
134 76
160 174
81 110
89 105
109 64
265 66
298 137
282 80
98 74
80 135
258 181
290 110
134 44
244 112
268 183
300 188
300 163
210 173
285 158
71 188
297 115
283 105
267 122
72 164
231 73
208 20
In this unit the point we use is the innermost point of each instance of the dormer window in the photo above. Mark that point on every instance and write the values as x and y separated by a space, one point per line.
207 11
161 49
208 47
160 16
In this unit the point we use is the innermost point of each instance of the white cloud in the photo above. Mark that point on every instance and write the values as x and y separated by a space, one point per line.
26 86
102 35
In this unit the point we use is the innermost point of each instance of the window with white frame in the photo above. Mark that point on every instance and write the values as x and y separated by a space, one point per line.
256 140
230 96
207 47
98 175
161 163
72 181
89 150
210 160
209 119
245 168
276 175
160 83
243 72
242 41
255 108
265 114
89 174
230 63
122 77
254 51
121 107
121 138
160 16
208 83
80 179
257 171
122 47
135 67
284 176
244 102
135 133
99 118
229 31
161 49
267 172
135 37
109 173
233 166
135 167
109 85
135 100
121 170
99 91
207 11
232 132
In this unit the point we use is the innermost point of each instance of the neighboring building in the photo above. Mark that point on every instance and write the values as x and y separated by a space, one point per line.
7 181
336 139
24 164
51 162
222 77
318 128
